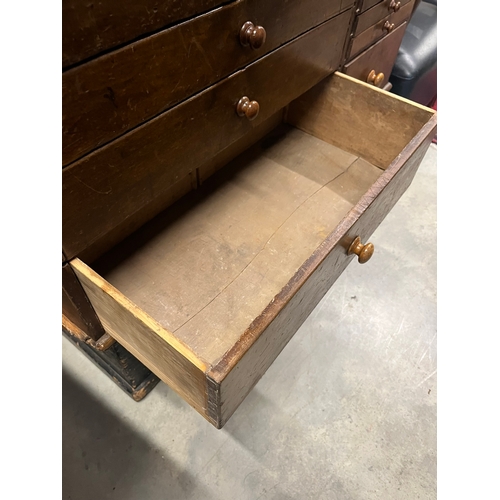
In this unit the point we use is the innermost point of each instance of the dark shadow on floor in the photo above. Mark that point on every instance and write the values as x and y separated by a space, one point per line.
105 458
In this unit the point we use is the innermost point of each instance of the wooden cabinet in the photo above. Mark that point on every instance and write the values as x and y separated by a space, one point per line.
203 236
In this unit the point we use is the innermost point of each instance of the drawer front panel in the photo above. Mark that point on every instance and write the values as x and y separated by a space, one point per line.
244 365
367 4
375 14
113 183
378 30
108 96
90 29
379 58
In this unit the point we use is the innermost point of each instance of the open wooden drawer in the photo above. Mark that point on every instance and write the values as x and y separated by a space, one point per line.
208 293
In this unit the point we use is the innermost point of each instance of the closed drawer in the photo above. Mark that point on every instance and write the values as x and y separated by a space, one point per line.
89 28
380 11
112 94
210 292
375 64
113 190
382 28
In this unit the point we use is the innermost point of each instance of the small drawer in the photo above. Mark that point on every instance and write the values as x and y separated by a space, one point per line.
372 16
127 181
384 27
116 92
209 293
375 64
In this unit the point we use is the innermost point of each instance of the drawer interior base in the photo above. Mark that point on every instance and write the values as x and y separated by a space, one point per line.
207 267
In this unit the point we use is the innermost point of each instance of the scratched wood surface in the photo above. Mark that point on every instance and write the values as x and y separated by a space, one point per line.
89 28
116 92
108 187
207 268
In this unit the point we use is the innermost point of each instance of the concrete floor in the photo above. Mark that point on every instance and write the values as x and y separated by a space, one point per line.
347 411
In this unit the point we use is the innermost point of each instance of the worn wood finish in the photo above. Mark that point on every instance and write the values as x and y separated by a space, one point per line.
77 307
166 356
376 13
241 368
379 58
105 188
219 256
207 294
91 28
377 31
377 129
116 92
101 344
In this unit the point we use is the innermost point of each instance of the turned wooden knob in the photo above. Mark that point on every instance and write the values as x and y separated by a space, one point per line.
374 78
253 36
388 26
248 108
364 252
394 6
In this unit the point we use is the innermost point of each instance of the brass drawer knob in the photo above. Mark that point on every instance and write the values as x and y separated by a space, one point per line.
248 108
253 36
375 79
388 26
394 6
364 252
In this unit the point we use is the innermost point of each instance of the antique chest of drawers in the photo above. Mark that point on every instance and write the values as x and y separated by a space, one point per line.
219 174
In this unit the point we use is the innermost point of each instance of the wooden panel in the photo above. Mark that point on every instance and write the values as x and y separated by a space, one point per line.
347 3
375 14
77 307
366 4
379 57
377 129
112 94
105 188
90 28
155 347
377 31
241 368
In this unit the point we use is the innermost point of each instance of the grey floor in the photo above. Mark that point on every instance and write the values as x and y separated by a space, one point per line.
347 411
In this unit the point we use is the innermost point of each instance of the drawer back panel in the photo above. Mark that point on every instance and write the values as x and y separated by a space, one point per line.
89 30
112 94
107 188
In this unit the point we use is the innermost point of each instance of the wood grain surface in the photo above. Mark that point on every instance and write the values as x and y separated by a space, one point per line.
166 356
77 307
206 268
376 13
209 293
107 187
242 367
374 125
379 57
112 94
91 28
